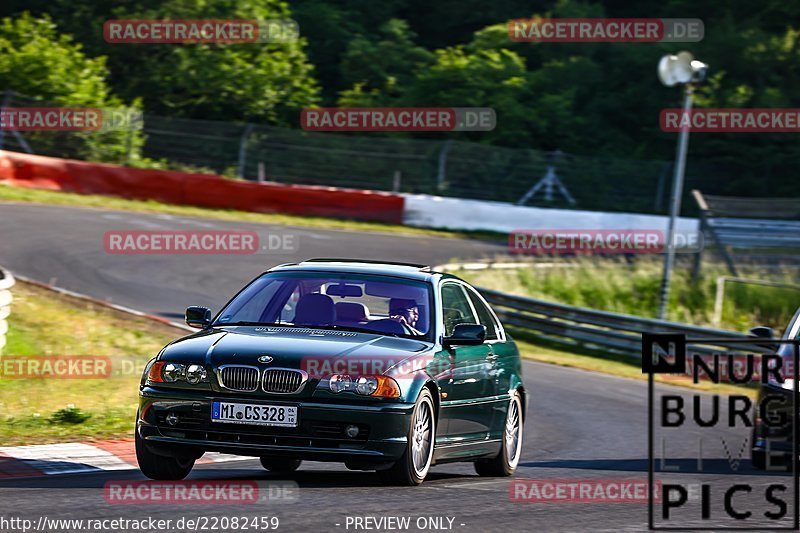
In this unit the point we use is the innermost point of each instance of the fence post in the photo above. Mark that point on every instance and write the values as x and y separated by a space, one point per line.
262 172
697 262
129 144
396 181
243 150
441 175
6 282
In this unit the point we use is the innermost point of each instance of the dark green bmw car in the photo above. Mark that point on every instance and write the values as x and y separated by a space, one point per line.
382 366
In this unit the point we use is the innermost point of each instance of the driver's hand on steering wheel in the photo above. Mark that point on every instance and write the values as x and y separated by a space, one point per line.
401 319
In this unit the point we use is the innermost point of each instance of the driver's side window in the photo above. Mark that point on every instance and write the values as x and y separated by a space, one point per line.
455 308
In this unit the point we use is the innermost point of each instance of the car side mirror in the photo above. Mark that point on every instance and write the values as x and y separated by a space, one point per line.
198 317
466 335
762 332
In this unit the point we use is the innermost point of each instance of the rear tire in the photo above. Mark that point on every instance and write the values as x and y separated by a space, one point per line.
412 468
279 465
505 463
158 466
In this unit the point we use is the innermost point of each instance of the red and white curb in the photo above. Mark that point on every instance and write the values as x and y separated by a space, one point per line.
77 458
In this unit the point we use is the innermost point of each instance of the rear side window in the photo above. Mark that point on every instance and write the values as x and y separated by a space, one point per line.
455 308
485 317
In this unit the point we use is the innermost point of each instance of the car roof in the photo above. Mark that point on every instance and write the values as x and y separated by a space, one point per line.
362 266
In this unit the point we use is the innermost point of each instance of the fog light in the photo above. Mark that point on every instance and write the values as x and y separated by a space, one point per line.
172 419
351 431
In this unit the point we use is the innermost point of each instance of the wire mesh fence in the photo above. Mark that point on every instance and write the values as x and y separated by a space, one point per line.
446 167
433 166
110 142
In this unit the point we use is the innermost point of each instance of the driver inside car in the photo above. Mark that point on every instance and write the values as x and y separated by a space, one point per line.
406 312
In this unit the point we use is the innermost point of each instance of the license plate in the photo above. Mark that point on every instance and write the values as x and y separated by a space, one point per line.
256 414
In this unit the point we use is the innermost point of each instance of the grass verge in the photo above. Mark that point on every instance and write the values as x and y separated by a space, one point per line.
52 410
634 288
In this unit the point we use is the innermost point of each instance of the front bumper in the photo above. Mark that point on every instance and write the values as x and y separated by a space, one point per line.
319 435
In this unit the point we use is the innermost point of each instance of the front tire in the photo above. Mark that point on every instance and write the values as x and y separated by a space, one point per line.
280 466
505 463
412 468
160 467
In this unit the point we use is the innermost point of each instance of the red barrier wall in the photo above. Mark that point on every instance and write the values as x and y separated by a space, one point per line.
204 190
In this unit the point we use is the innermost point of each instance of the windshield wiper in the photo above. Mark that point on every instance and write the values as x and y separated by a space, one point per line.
362 330
246 323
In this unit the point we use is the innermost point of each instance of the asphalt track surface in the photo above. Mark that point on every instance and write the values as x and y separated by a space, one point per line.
581 425
64 246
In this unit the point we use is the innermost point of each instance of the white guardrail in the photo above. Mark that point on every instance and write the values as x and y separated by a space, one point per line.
6 282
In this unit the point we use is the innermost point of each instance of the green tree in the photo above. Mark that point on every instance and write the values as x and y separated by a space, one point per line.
253 81
384 67
38 62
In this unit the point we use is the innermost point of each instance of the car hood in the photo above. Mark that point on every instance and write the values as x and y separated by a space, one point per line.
311 350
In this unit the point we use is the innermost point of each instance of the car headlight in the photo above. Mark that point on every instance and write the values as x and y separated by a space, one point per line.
366 385
372 385
173 372
169 372
195 374
340 383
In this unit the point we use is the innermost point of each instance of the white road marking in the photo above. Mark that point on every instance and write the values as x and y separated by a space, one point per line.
140 222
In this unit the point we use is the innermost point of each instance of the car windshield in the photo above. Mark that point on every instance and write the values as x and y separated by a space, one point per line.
347 301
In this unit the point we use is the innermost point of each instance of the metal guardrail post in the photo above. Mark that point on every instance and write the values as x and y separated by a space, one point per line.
6 282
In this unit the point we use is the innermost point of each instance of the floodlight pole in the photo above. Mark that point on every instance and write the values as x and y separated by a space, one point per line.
675 200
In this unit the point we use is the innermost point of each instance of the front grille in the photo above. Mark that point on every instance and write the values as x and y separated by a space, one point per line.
238 378
283 380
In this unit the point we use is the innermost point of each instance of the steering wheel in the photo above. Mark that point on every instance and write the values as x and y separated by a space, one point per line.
387 325
406 328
